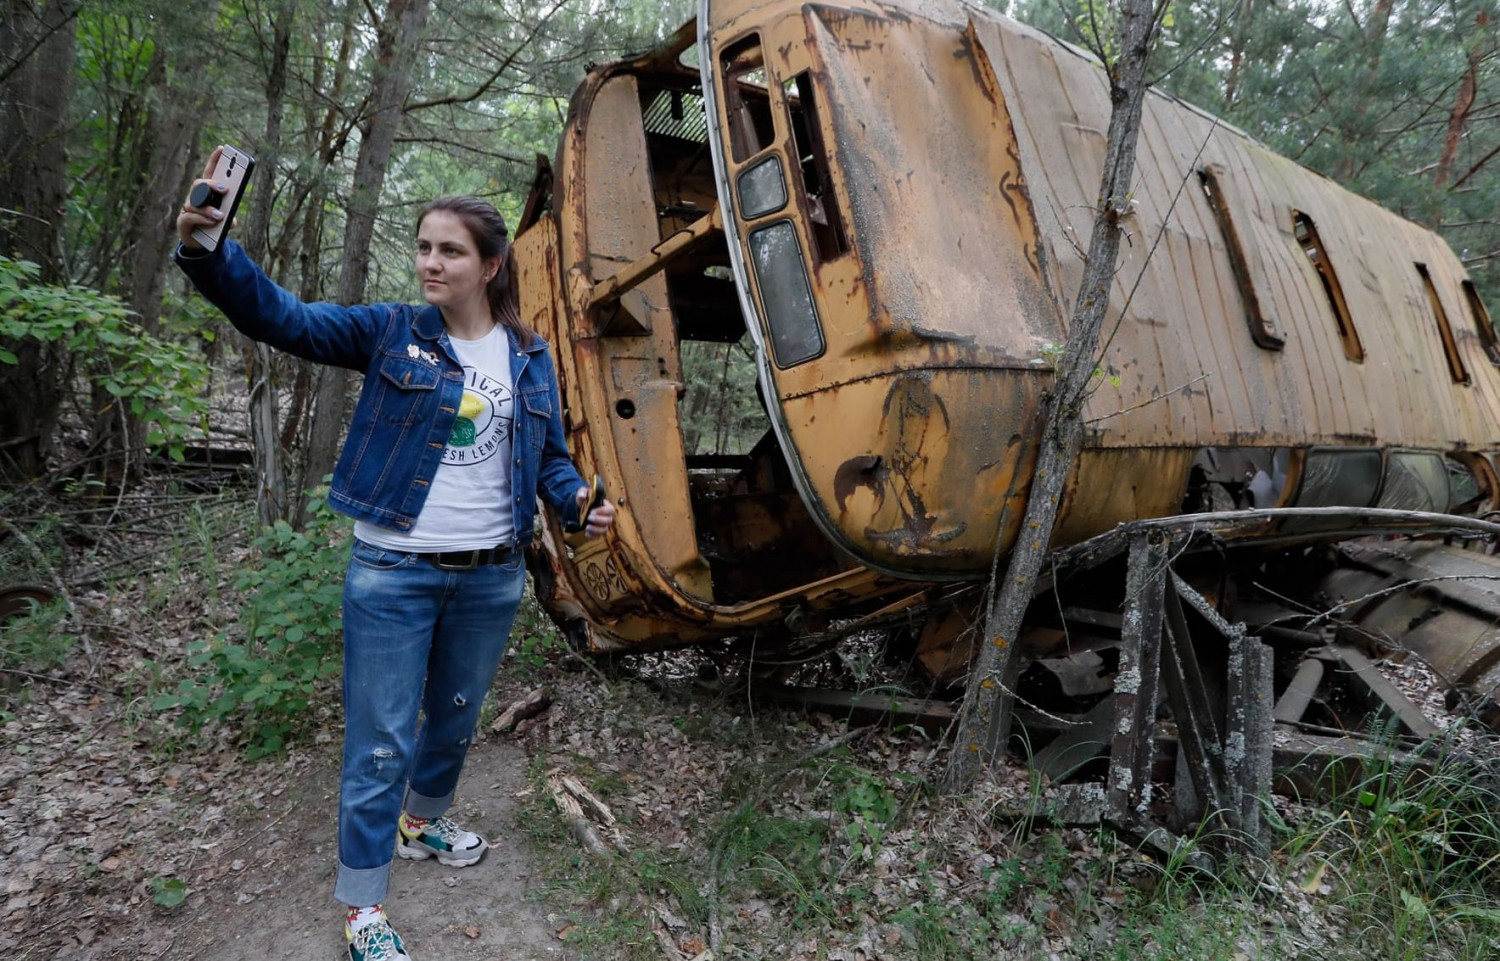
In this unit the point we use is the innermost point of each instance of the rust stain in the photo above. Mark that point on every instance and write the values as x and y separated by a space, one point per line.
917 421
862 471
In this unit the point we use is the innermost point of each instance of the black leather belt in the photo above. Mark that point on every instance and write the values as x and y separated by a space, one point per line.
468 560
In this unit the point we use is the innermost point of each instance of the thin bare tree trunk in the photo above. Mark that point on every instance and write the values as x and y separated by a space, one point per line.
983 721
395 54
271 499
323 142
37 41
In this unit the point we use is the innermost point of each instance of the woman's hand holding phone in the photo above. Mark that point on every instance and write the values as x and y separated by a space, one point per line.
213 198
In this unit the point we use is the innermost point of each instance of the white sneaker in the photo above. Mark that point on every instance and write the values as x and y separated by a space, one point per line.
376 941
439 837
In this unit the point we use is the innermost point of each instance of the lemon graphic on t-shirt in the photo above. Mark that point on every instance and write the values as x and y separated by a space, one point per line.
481 428
469 410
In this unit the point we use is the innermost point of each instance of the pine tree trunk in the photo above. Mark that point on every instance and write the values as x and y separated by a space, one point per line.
159 174
37 41
983 719
1463 106
394 57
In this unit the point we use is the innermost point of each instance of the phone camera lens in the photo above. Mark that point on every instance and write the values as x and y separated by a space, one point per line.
204 196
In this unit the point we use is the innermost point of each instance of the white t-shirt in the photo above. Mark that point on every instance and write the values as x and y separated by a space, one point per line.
469 505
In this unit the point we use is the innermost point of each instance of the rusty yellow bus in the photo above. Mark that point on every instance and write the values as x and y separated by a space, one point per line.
876 210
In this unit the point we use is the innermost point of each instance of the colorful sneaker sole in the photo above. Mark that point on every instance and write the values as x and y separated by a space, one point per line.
413 849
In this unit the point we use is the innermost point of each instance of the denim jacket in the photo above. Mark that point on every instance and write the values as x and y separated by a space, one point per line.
413 385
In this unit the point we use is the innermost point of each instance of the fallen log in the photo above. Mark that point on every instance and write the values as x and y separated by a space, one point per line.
529 706
572 812
589 803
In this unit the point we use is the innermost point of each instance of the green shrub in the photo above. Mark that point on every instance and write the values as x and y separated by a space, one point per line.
161 381
269 672
864 800
36 641
533 637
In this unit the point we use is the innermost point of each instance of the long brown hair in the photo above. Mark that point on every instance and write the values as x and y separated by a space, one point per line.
492 239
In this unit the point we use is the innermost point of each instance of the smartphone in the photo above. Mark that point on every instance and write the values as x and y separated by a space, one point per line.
596 497
232 171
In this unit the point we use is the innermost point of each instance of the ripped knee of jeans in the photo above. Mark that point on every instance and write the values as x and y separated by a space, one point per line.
460 701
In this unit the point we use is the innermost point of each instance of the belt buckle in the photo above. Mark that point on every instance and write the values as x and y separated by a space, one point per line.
468 565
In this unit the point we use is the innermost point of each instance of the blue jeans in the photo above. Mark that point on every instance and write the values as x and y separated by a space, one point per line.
415 637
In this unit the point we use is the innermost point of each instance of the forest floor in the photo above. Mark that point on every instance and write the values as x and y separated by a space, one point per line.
739 831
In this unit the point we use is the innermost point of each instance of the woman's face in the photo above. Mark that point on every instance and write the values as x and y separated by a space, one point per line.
449 268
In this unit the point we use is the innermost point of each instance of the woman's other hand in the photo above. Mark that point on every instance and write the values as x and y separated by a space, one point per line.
600 519
190 218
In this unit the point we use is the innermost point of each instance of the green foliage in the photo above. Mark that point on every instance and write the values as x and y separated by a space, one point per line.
864 798
168 893
161 382
533 636
35 642
1415 853
722 412
771 850
287 645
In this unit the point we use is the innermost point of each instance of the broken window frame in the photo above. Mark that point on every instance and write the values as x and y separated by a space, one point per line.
1480 315
739 60
825 216
1415 480
1456 368
1339 477
1262 329
1481 472
1305 231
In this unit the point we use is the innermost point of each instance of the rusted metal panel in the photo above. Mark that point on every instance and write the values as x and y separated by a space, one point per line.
633 389
903 437
1063 95
1108 485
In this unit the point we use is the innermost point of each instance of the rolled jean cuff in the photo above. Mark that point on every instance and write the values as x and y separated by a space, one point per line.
362 887
426 807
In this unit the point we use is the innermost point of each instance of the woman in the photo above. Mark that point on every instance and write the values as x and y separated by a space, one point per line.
458 428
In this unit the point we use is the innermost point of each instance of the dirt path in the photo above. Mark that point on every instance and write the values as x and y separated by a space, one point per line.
278 904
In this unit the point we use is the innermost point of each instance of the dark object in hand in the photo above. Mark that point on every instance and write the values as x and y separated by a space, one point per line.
204 195
596 497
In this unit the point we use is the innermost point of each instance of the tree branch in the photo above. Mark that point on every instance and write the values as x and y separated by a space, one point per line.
1151 400
495 74
1475 169
68 17
446 142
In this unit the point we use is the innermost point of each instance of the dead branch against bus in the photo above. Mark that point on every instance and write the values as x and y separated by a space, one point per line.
984 724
